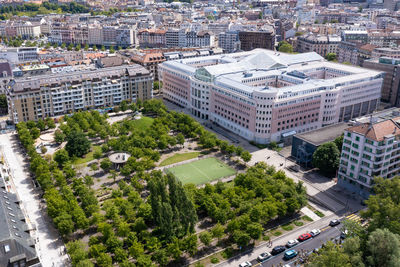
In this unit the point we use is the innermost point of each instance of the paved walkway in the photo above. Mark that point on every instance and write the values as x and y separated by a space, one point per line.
49 244
310 213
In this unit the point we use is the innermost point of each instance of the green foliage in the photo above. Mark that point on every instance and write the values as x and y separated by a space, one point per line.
77 144
331 56
285 47
173 211
339 142
214 260
3 101
326 158
61 157
77 251
205 238
59 136
105 164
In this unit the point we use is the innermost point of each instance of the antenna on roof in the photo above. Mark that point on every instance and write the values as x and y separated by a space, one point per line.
370 122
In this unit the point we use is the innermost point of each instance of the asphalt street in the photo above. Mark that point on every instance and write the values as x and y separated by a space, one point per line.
326 234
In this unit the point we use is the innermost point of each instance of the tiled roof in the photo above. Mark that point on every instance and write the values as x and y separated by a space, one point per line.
377 131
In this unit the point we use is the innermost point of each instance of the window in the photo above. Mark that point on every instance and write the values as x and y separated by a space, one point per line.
349 134
354 145
357 138
6 248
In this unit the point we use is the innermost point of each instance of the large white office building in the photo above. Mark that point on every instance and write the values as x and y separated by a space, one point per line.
266 96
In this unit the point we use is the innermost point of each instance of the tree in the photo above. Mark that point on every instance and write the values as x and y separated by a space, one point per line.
86 48
50 123
70 47
285 47
3 102
331 255
339 142
160 256
218 231
97 154
63 45
94 48
123 105
180 139
112 50
61 157
331 56
77 144
35 133
103 48
59 136
205 238
246 156
105 164
41 125
383 248
157 85
78 47
241 238
254 230
64 224
326 158
104 260
77 252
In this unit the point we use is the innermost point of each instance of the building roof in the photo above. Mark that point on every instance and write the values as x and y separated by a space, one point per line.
324 134
377 131
15 240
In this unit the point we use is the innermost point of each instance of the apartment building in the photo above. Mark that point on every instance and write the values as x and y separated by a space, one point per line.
150 61
321 44
16 28
250 40
186 38
391 82
229 41
20 55
369 150
91 34
32 98
152 38
265 96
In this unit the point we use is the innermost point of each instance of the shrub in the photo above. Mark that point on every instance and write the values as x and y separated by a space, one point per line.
320 214
306 218
227 253
277 233
287 227
214 260
298 223
266 238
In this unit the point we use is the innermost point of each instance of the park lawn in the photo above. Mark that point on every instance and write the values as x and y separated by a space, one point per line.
142 124
201 171
179 157
88 157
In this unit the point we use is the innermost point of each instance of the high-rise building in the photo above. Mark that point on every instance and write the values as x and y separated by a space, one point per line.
266 96
229 41
369 150
33 98
250 40
391 82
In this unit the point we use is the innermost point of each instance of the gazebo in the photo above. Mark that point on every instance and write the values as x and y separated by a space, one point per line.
119 159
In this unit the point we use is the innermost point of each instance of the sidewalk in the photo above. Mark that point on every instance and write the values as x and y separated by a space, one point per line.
48 243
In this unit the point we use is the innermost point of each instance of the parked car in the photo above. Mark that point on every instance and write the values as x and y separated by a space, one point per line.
304 237
278 249
290 254
292 243
334 222
315 232
264 256
245 264
344 233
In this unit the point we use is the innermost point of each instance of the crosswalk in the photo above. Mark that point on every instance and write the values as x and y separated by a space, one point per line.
356 218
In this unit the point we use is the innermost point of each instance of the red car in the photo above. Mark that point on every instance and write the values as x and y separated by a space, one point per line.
304 237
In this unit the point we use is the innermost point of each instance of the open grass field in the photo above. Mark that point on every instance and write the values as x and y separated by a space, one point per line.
88 157
142 124
179 157
201 171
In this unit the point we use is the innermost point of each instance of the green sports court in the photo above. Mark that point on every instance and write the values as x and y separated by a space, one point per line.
201 171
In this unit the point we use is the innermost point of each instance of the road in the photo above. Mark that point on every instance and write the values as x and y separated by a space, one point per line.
327 233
